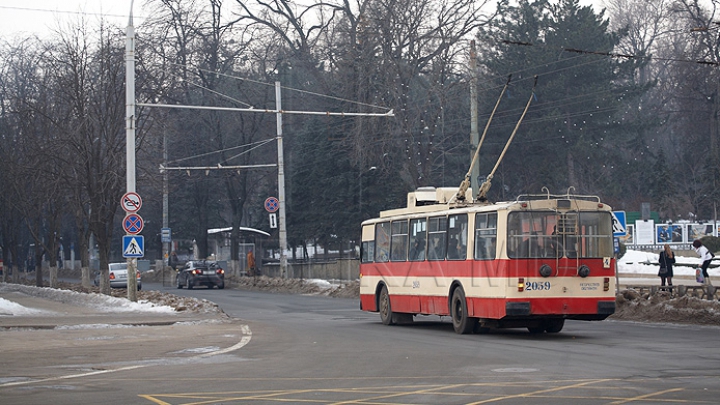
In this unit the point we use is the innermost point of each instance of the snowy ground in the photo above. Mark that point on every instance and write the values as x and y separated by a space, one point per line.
644 264
99 302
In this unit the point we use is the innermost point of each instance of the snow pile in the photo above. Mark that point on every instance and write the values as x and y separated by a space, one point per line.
99 302
297 286
662 307
9 308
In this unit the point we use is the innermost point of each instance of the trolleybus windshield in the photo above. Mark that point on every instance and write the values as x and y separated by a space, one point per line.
547 234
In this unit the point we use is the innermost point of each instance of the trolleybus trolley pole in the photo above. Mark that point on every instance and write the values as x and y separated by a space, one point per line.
466 182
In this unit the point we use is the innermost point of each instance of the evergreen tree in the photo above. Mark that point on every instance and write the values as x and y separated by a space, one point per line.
573 130
662 188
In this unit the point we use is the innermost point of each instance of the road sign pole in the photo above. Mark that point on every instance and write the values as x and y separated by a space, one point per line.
130 136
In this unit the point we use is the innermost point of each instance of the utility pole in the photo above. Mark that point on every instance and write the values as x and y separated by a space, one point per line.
474 135
130 138
166 189
281 184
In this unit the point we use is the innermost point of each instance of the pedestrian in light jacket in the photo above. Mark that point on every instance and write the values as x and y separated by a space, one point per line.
706 256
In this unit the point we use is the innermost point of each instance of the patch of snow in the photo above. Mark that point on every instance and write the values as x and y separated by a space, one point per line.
636 262
324 284
99 302
12 309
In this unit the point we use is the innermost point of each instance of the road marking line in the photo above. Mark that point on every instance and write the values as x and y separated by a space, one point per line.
641 397
530 394
247 336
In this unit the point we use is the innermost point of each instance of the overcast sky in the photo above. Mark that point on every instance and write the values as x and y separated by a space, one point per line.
41 16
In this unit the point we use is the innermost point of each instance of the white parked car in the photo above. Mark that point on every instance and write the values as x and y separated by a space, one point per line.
118 276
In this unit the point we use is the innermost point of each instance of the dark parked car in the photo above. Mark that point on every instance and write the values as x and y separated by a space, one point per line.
201 272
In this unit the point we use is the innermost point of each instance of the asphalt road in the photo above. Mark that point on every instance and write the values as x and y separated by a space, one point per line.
317 350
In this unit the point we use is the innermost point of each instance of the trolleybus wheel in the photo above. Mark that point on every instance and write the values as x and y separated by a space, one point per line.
386 314
554 325
462 323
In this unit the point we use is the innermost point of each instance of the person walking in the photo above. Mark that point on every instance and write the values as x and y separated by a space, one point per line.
251 263
666 259
706 256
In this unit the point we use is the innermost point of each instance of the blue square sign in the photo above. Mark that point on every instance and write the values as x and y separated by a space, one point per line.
133 246
619 225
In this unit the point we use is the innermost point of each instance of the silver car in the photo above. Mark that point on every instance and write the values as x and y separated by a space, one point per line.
118 276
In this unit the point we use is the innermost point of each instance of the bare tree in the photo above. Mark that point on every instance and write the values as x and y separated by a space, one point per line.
202 54
88 89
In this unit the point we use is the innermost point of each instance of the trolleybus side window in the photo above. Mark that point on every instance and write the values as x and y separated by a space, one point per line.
382 242
367 247
485 236
436 237
594 235
458 236
368 251
418 239
399 241
534 234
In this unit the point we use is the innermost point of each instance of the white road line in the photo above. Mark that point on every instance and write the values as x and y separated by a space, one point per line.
247 336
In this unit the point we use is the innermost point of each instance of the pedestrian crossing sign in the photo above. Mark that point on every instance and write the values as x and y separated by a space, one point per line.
619 225
133 246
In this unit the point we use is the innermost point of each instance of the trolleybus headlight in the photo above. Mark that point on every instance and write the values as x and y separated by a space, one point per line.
545 270
521 284
583 271
606 284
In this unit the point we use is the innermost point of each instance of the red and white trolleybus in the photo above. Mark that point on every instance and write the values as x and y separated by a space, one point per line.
532 262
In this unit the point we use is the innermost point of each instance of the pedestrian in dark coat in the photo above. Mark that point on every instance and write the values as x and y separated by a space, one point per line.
666 259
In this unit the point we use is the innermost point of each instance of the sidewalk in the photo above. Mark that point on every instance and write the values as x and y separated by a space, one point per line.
47 339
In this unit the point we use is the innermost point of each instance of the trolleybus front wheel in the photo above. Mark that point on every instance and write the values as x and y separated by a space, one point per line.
462 323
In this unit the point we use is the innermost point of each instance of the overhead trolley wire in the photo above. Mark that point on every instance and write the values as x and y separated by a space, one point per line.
616 55
230 76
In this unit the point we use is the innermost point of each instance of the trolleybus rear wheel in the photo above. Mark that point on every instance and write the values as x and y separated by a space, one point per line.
462 323
554 325
386 314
